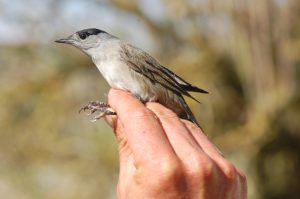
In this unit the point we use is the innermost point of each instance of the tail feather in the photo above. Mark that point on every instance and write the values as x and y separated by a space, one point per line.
187 114
192 88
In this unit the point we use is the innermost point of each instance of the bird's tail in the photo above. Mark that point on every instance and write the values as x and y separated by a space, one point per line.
187 114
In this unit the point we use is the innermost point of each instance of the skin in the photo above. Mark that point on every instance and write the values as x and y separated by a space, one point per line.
163 156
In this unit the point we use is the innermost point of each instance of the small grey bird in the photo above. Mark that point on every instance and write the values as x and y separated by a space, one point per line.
129 68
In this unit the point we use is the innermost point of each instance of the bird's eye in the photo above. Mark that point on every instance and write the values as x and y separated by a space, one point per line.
82 36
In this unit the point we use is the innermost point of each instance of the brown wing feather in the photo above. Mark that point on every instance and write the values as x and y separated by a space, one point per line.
149 67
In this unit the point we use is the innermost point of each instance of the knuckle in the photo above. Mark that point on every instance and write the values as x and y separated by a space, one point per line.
207 170
201 167
167 172
230 171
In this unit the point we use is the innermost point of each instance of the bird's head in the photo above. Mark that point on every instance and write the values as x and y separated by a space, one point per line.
88 39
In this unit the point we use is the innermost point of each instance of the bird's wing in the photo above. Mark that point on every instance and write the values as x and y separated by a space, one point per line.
143 63
184 84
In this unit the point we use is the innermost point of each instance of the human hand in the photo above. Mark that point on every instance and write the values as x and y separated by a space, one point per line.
163 156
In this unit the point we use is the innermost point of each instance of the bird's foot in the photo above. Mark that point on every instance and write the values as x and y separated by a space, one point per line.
102 107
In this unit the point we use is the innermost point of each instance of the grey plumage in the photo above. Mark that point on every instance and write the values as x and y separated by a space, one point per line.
130 68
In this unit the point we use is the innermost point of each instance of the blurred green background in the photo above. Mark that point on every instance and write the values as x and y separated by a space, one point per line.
246 53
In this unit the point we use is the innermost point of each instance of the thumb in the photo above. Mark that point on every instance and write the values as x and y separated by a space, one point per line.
118 129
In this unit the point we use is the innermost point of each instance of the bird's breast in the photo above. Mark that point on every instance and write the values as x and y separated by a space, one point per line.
119 75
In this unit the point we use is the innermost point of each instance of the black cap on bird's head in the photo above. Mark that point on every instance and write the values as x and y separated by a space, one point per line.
86 38
83 34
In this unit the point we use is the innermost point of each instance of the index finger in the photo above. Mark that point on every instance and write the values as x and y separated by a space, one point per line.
144 133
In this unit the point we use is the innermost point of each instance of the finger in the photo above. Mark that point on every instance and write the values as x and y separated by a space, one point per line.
207 146
125 153
127 168
143 131
123 148
114 122
184 144
202 139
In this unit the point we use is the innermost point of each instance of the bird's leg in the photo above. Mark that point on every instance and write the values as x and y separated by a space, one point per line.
102 107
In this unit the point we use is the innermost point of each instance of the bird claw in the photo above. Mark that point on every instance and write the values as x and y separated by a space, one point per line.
102 107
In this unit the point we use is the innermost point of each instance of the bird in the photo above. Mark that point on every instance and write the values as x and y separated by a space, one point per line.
129 68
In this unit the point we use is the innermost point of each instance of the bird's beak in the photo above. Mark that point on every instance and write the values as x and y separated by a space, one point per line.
68 40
